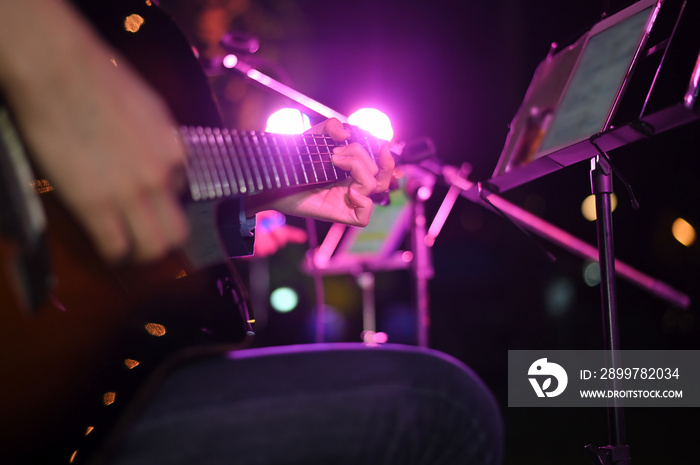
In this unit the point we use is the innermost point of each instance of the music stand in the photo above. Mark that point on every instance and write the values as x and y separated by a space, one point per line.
362 252
631 76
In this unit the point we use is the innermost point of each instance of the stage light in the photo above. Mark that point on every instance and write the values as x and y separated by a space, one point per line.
288 121
284 299
683 232
373 121
588 206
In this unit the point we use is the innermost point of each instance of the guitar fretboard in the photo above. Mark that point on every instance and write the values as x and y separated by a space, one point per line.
228 163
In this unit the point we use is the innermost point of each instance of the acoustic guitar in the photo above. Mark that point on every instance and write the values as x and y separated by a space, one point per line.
78 337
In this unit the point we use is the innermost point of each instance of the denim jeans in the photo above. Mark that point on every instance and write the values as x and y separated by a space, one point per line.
317 404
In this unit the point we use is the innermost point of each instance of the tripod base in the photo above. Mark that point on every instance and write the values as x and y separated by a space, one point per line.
609 455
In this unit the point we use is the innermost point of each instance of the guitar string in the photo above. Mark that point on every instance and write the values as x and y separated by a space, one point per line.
220 152
326 141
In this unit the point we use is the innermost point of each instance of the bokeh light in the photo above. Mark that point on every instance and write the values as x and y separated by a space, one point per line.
683 232
588 206
284 299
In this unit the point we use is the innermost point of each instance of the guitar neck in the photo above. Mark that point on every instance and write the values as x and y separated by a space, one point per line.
228 163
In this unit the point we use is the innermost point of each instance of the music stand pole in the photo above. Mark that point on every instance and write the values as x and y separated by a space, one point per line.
422 269
601 187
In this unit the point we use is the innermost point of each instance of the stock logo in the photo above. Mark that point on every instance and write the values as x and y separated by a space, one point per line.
541 374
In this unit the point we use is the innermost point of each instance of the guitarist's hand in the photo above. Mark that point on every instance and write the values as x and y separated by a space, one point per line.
95 130
346 201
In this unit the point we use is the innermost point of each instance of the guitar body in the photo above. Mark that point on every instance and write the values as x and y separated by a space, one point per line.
74 362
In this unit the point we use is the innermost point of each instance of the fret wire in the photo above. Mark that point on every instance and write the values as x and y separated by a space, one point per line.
253 161
206 165
278 153
329 144
208 183
234 159
201 165
245 162
225 190
314 155
191 164
320 158
320 141
208 186
328 166
215 173
325 141
309 165
308 156
225 161
205 180
305 160
263 138
290 144
260 156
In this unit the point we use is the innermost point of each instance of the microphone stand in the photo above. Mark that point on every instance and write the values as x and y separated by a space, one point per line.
232 62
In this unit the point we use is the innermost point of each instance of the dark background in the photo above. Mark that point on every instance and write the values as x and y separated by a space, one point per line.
456 71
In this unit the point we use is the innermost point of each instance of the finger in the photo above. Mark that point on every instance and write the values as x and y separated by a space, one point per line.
265 244
109 233
172 219
363 207
286 234
360 166
157 225
148 240
334 128
386 165
294 235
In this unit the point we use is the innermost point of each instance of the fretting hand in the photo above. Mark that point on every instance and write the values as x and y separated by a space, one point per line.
347 201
